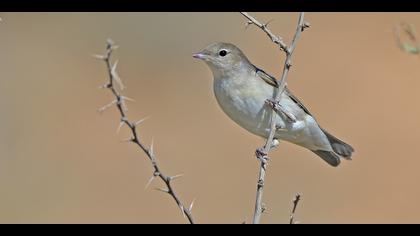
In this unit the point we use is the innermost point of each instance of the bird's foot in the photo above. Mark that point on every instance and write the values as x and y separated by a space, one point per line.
276 106
262 156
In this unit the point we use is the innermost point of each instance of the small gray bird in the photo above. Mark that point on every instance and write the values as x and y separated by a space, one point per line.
242 89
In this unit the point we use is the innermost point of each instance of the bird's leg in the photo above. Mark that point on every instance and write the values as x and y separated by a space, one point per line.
276 106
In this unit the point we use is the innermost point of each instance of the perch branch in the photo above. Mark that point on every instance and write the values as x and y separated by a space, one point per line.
120 103
262 153
295 204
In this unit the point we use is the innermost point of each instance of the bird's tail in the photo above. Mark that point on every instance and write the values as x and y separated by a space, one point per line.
340 149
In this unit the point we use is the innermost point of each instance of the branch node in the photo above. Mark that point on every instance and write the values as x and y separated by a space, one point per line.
305 25
260 183
264 209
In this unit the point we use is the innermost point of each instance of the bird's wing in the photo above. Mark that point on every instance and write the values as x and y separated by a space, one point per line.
266 77
296 100
273 82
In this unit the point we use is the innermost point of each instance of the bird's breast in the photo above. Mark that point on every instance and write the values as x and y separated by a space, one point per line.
244 102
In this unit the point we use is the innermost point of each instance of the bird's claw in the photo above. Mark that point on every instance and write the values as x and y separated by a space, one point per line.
276 106
262 155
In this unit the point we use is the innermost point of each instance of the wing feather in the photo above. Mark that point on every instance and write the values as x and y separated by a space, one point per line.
273 82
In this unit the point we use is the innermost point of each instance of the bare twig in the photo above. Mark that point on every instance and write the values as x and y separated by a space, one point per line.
414 46
262 153
295 204
264 27
120 104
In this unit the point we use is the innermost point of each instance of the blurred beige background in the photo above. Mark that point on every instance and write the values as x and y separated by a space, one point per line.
62 162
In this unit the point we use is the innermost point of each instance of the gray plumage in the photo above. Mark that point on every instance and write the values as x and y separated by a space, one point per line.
241 90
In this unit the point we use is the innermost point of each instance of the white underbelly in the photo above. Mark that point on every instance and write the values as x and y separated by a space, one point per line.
248 109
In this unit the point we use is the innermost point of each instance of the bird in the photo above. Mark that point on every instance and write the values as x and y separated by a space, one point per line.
242 91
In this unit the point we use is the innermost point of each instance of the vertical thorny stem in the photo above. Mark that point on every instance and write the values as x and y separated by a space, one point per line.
262 153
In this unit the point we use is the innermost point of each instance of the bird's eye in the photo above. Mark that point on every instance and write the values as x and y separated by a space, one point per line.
222 53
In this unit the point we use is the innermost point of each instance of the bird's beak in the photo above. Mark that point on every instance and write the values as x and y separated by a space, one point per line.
200 55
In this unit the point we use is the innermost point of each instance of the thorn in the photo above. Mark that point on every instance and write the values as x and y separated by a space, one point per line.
115 75
247 24
151 149
102 109
107 85
149 182
191 205
111 45
122 122
114 68
162 190
115 47
127 140
175 177
99 57
182 210
140 121
268 22
127 98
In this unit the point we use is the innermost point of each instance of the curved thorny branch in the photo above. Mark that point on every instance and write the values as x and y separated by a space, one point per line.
262 153
119 102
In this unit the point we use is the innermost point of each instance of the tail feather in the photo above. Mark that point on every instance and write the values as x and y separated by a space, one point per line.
330 157
341 148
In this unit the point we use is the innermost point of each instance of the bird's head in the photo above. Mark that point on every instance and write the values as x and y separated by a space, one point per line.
223 58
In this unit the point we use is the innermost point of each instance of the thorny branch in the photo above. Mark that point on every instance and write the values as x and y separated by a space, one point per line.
295 204
408 29
262 153
119 102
